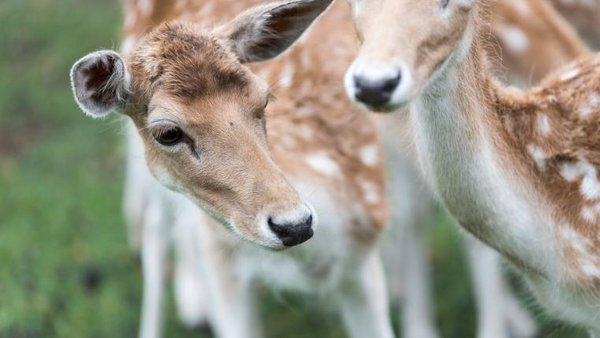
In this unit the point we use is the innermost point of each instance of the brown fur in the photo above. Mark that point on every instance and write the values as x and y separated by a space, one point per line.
178 65
584 16
549 41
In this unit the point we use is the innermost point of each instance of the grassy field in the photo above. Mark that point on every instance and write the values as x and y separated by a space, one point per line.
65 267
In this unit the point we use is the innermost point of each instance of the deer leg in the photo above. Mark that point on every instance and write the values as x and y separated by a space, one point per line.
498 311
405 245
189 285
154 252
135 195
232 306
364 302
417 318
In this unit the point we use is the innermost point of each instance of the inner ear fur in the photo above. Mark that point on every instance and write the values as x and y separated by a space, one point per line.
100 82
263 32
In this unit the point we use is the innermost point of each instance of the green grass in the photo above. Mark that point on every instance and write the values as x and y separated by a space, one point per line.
65 266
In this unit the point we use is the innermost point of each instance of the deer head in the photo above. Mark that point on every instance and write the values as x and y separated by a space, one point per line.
200 113
404 44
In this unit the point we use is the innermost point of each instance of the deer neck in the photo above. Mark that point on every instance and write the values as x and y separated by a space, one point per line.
460 144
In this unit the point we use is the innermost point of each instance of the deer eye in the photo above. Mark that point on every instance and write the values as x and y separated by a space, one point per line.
169 136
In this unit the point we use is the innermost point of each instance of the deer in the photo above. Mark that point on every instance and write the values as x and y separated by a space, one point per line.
515 168
532 39
249 174
411 205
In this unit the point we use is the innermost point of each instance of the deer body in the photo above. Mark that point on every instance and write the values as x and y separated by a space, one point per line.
516 168
327 153
408 212
489 177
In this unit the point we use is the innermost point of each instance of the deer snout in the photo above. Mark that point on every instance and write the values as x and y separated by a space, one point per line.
377 92
379 87
293 229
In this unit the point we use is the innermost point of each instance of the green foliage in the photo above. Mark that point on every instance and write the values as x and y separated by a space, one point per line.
66 269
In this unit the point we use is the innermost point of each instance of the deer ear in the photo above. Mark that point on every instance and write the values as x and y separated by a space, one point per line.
264 32
100 83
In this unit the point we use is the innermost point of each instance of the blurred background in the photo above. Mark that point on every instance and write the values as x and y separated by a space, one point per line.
66 269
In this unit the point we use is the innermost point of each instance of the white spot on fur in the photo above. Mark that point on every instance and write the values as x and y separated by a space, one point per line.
286 77
145 6
587 260
588 214
370 192
538 156
574 239
127 45
324 164
305 111
590 186
306 132
590 106
129 19
514 38
570 171
570 75
590 268
369 155
544 125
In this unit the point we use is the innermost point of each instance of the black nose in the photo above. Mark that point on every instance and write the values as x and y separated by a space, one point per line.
376 92
293 234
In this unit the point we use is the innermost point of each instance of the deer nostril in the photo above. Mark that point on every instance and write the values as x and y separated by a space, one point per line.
391 84
292 234
376 92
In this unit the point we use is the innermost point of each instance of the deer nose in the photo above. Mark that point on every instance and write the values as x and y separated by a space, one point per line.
376 92
292 234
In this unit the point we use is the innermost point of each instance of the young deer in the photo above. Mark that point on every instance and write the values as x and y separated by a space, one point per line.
534 39
517 169
200 114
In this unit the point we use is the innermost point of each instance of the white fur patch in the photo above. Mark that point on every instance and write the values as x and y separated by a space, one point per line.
130 17
587 260
145 6
286 78
369 155
590 105
570 75
588 214
538 156
306 132
323 163
590 186
514 38
370 192
544 125
127 45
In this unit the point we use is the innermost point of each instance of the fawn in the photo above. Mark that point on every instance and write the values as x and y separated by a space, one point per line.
200 115
517 169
